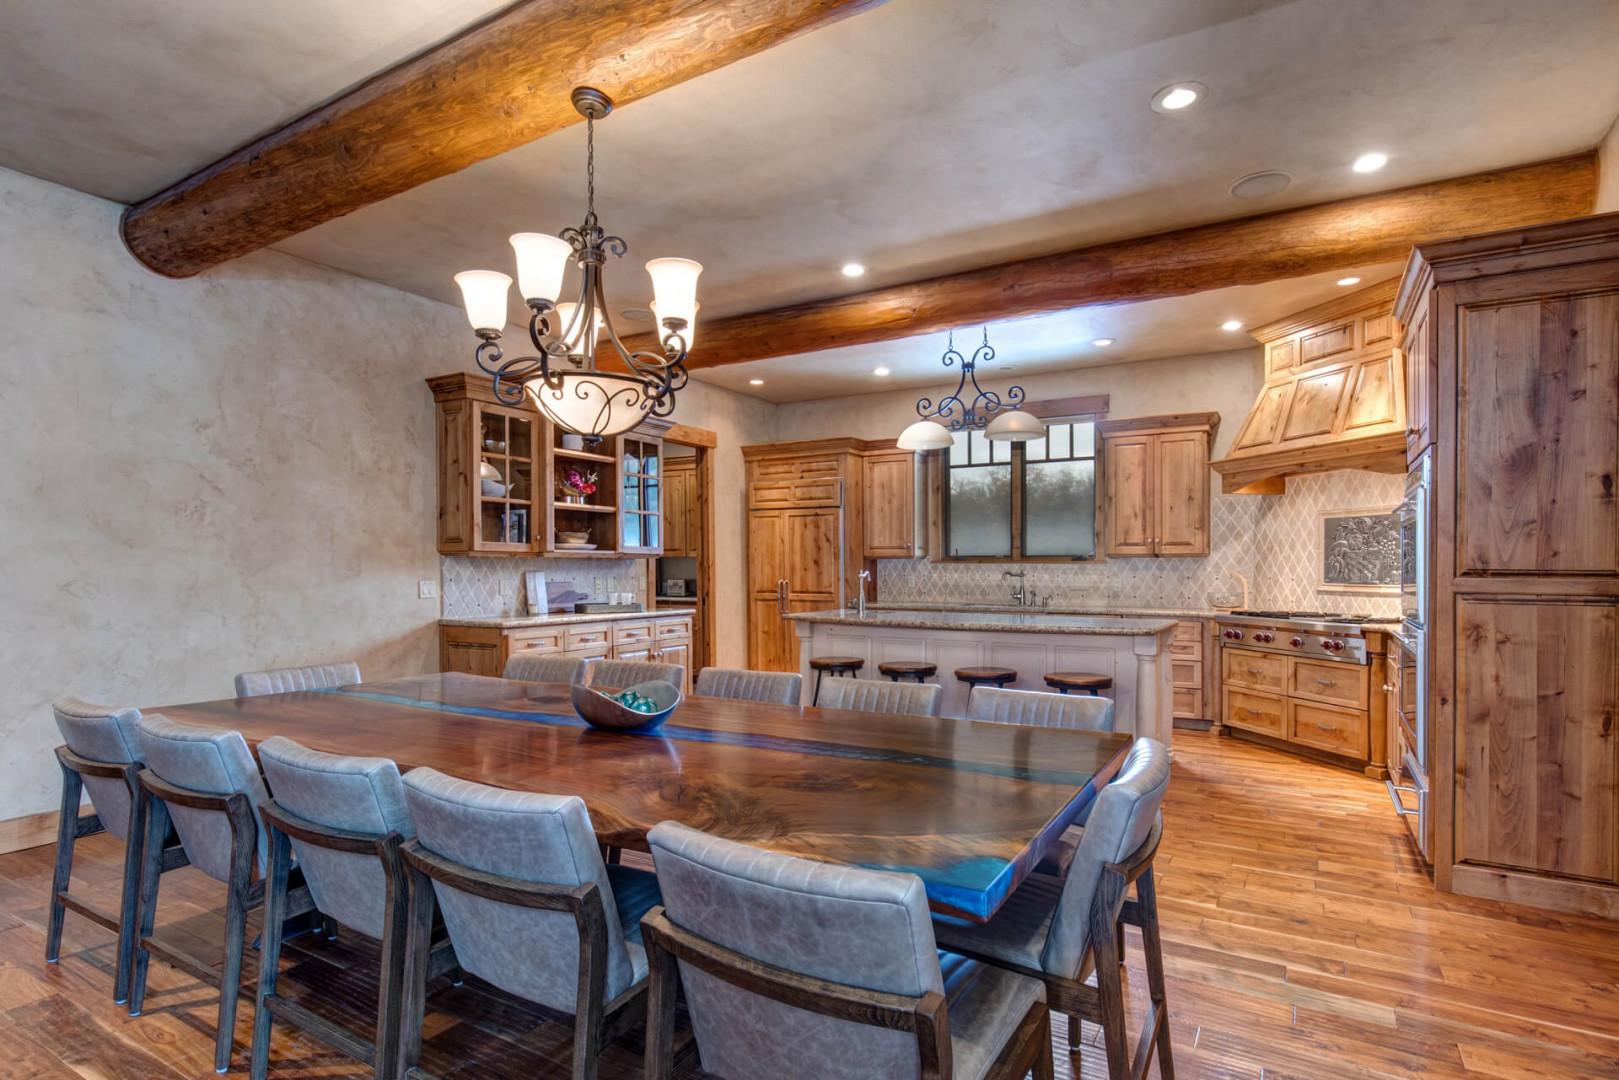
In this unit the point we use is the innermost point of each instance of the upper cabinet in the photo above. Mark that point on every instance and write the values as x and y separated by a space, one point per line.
890 504
1155 492
680 528
510 483
1334 396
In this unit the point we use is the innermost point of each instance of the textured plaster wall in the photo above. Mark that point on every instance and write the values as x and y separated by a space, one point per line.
1608 163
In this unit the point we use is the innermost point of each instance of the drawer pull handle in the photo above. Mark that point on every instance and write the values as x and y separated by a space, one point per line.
1387 689
1256 671
1394 797
1326 682
1327 727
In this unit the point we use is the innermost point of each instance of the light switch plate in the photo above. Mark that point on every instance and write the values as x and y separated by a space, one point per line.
427 589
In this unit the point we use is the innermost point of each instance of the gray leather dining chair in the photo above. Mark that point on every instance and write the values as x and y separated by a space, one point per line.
529 906
621 673
548 669
100 755
206 782
869 695
1060 929
288 679
798 968
1035 709
734 684
345 819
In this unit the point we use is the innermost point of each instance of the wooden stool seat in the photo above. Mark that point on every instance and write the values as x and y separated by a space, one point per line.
1064 681
986 676
920 670
833 665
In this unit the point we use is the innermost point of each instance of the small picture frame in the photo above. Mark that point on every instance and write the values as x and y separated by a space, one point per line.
1359 550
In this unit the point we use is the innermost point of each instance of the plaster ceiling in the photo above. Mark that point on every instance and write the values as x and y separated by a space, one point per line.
921 137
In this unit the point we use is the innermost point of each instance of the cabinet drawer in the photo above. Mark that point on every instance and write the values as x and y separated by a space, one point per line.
1186 673
1264 713
590 652
1186 650
1186 704
628 633
1336 684
1327 727
772 493
1189 633
1256 669
534 641
808 492
772 470
665 629
588 637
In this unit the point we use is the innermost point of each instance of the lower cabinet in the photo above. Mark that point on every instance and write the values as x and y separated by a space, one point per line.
477 650
1190 696
1314 704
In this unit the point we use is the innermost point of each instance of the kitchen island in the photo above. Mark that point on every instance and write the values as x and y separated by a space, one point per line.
1133 652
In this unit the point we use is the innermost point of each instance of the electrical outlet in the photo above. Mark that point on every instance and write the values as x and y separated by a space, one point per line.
427 589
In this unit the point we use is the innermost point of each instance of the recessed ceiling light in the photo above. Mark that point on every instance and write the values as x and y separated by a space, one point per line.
1350 280
636 313
1102 342
1231 324
881 372
1177 96
1261 185
853 269
1370 162
756 382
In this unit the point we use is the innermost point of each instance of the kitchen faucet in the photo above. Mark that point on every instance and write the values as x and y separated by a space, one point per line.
1020 595
860 602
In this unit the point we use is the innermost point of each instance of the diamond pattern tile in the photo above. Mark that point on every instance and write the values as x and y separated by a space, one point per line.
487 586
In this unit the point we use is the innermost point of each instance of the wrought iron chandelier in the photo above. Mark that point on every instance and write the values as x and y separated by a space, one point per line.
999 417
563 378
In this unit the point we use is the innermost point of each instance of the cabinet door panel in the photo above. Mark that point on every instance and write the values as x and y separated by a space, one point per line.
1129 474
890 507
472 658
1181 467
1539 449
812 553
1537 688
767 551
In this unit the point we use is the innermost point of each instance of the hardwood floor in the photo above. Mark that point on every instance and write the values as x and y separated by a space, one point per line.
1301 938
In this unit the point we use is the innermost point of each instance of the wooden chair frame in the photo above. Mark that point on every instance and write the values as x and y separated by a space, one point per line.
70 827
926 1015
594 1023
243 894
282 826
1103 1004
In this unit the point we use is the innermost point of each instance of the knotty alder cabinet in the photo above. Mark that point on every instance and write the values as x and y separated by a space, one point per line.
484 650
1155 487
1322 707
680 525
1517 337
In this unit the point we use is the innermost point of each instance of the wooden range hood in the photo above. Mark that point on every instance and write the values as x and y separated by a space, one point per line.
1334 396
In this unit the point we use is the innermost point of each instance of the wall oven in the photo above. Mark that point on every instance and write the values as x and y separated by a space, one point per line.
1416 517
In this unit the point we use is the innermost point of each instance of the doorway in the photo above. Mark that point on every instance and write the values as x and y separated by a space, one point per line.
683 576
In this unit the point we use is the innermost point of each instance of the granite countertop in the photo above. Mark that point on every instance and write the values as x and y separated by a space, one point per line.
1018 622
518 622
1058 609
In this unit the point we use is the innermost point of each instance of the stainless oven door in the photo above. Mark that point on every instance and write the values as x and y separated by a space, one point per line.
1414 538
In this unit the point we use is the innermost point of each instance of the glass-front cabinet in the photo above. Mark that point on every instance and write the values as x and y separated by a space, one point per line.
640 515
508 506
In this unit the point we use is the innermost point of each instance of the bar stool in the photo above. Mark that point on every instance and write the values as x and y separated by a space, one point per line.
896 670
1064 681
835 666
985 676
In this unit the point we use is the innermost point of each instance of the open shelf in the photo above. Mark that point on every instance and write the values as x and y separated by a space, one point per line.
584 508
583 455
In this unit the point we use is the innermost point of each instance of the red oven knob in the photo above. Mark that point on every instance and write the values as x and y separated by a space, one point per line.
1333 646
1233 635
1264 637
1297 643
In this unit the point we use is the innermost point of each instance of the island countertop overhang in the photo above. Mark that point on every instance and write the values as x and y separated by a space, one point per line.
1034 622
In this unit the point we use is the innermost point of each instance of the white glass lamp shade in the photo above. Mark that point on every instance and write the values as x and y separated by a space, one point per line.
688 333
541 261
593 402
1015 426
576 331
484 294
925 435
674 285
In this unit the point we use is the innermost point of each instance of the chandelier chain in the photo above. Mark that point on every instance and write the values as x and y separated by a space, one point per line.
590 168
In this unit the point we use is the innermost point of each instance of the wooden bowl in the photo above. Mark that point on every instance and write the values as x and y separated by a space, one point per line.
601 711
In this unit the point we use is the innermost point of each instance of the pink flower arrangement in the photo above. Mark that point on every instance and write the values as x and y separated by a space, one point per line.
580 483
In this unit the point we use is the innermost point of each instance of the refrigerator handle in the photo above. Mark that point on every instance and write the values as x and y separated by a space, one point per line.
781 596
843 546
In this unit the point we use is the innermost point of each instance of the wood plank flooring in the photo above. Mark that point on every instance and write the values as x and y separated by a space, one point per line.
1302 940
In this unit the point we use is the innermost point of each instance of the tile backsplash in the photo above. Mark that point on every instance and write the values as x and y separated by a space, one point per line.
1273 541
486 586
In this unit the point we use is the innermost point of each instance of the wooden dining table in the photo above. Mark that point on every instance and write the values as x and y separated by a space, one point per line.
969 807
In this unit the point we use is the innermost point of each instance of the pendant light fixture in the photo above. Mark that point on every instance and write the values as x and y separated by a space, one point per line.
563 379
998 417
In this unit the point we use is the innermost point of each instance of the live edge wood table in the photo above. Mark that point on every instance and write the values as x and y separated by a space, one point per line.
968 807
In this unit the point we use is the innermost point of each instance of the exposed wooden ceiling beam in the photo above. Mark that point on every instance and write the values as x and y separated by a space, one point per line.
1248 251
500 84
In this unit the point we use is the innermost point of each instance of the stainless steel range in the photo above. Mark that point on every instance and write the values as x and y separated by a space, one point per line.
1320 634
